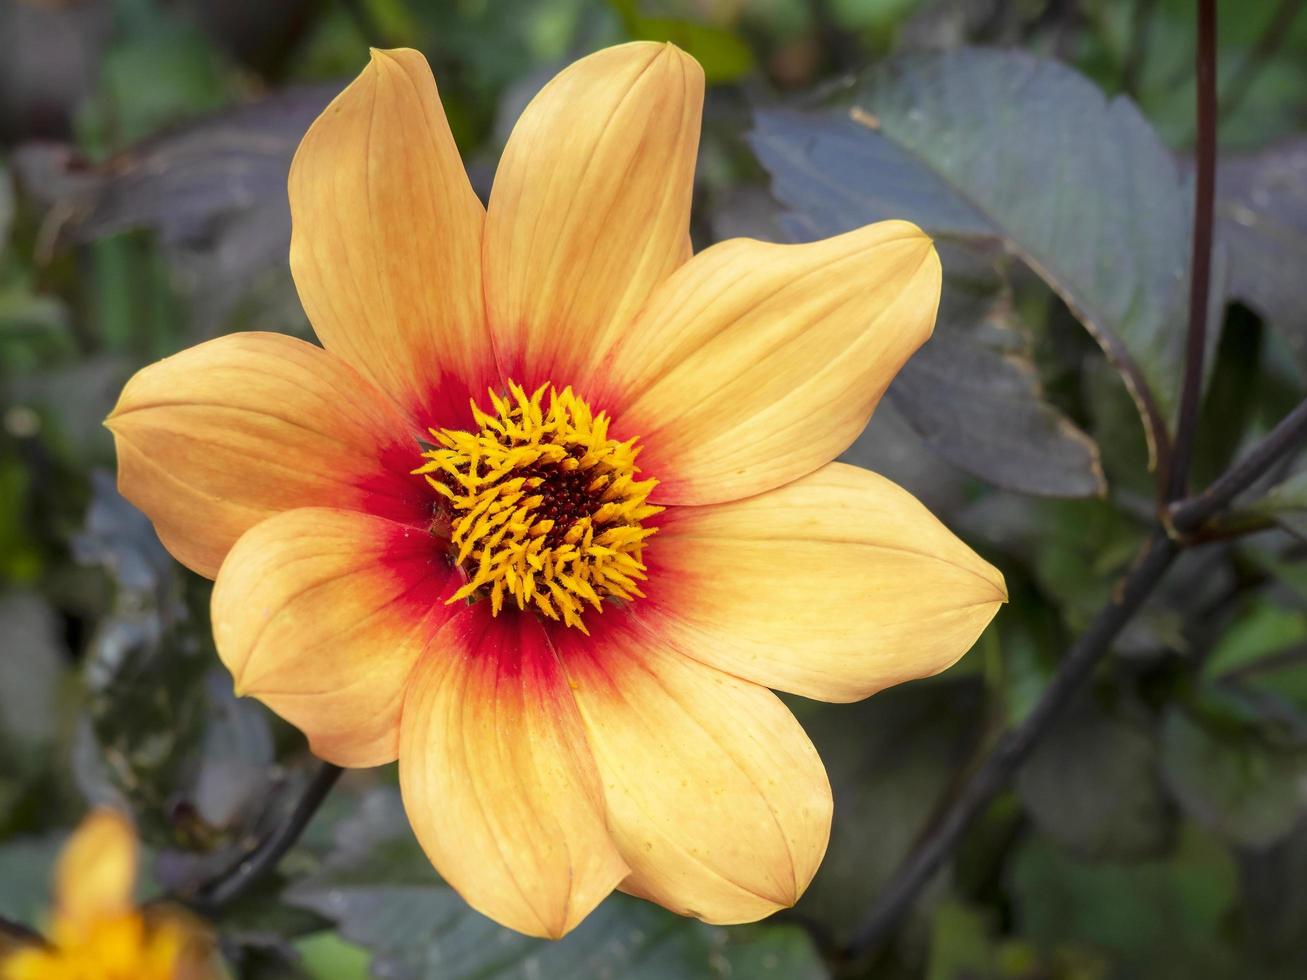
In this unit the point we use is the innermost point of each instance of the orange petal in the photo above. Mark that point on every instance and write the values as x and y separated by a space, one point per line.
716 798
321 614
590 210
386 245
96 872
214 439
833 587
497 780
755 364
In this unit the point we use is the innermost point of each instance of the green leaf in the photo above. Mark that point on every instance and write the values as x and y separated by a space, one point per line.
960 943
169 735
964 946
328 957
187 182
723 55
213 192
870 15
978 143
973 394
1271 103
6 208
153 78
33 327
26 867
30 672
266 963
383 894
1264 629
1233 779
1261 215
1018 648
1092 785
260 918
32 668
1114 426
1276 902
1158 918
20 555
1286 503
144 668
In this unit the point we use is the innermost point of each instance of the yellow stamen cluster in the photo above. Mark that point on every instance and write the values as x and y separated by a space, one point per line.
542 506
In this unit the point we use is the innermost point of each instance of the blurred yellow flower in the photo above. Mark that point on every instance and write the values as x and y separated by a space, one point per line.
556 505
96 931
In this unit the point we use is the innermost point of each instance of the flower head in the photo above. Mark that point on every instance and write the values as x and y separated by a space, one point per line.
96 931
553 506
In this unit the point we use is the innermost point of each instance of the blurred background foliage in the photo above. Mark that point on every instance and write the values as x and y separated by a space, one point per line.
1160 827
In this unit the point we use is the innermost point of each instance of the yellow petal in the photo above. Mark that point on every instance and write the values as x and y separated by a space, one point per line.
833 587
214 439
386 244
590 209
497 780
321 614
755 363
97 869
716 798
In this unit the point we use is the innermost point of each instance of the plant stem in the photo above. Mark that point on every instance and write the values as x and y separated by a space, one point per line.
1013 747
1188 515
1200 265
265 856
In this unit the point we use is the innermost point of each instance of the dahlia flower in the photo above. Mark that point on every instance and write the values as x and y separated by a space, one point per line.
96 931
553 506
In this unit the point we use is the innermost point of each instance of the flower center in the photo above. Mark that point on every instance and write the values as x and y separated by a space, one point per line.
541 505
